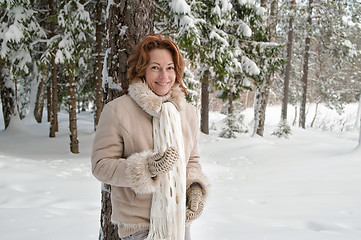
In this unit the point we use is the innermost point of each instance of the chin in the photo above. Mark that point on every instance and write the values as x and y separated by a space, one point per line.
161 93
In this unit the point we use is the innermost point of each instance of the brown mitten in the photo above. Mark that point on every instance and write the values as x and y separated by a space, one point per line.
195 202
162 163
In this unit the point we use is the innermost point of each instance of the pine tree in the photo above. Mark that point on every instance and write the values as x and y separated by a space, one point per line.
19 35
210 34
73 51
283 129
269 61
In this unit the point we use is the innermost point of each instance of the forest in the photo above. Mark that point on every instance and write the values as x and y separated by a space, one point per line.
71 55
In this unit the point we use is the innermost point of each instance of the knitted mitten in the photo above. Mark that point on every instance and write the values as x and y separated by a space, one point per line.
162 163
195 202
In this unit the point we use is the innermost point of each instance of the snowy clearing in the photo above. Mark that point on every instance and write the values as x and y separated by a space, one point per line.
304 187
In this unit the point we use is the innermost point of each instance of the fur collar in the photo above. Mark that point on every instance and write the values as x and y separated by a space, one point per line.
152 103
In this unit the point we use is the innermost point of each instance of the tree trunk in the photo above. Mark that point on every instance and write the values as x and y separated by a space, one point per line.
205 104
316 111
230 103
54 78
48 102
261 105
7 97
358 115
302 120
74 143
98 61
289 65
128 22
39 104
273 21
295 118
262 99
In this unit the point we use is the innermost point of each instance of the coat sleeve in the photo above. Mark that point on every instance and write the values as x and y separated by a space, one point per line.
194 168
109 166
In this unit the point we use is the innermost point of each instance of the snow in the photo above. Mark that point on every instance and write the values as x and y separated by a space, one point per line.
305 187
180 6
13 34
249 66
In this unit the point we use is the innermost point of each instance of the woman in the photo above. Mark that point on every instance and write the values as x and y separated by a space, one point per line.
146 148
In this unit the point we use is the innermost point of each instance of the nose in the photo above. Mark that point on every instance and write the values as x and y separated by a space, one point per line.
163 73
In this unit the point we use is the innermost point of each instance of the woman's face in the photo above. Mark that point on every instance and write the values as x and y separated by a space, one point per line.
160 74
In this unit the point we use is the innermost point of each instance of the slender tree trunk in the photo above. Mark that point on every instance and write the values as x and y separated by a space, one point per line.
205 104
302 120
48 102
39 104
7 97
262 100
54 78
98 61
295 118
358 115
128 22
316 111
273 21
289 65
230 103
74 143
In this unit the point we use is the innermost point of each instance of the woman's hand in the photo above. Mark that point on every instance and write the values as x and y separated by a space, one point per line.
195 202
163 163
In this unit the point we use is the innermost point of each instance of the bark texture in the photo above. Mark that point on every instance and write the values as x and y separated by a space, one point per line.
7 97
263 92
286 83
54 78
98 60
205 104
74 143
39 104
302 121
128 22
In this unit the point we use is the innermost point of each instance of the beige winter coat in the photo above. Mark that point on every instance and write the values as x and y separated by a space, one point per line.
122 145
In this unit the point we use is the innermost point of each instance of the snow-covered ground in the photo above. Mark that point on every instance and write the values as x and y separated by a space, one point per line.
306 187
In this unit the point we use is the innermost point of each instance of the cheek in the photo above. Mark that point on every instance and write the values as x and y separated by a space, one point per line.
148 77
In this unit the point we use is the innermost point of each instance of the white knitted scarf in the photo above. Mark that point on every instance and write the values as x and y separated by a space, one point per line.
168 204
167 216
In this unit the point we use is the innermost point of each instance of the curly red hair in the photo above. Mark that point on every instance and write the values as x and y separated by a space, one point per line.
139 58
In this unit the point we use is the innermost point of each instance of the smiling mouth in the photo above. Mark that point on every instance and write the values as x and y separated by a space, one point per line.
162 83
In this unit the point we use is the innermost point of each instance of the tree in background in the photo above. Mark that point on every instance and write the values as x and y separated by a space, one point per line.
127 23
74 52
204 30
283 129
53 66
269 60
99 21
19 35
210 33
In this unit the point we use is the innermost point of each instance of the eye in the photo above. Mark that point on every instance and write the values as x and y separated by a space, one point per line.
170 68
154 67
